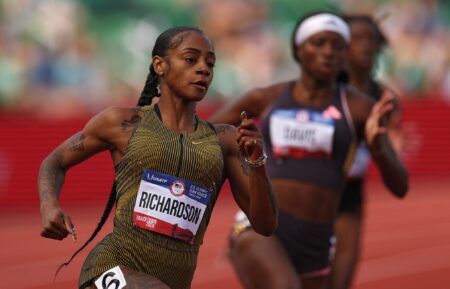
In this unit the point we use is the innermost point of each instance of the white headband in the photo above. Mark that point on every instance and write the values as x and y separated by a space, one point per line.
319 23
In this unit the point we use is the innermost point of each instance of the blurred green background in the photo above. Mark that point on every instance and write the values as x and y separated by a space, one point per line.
79 56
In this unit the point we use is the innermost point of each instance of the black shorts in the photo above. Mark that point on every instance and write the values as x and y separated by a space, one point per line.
352 197
308 244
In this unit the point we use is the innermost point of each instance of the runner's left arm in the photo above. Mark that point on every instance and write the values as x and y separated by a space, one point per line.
393 172
245 169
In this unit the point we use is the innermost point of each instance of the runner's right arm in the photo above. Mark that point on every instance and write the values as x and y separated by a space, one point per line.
92 139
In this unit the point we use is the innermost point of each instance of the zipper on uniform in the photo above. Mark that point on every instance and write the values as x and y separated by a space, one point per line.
180 160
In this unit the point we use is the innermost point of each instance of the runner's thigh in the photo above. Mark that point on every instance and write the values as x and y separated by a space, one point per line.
262 263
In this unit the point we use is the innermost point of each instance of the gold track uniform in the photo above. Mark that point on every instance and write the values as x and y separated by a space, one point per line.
167 185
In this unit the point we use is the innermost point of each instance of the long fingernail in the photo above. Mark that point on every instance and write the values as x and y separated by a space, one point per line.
244 115
72 233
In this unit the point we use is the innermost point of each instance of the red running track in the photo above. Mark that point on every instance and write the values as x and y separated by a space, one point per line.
406 243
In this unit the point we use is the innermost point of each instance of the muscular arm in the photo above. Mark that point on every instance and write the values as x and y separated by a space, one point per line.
393 172
105 131
251 187
74 150
373 126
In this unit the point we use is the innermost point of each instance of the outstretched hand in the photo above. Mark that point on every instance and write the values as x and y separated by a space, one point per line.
56 223
377 123
249 139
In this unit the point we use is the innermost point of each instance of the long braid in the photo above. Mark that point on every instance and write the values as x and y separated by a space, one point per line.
165 41
108 208
150 88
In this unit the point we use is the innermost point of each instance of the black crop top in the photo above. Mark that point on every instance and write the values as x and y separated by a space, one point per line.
308 144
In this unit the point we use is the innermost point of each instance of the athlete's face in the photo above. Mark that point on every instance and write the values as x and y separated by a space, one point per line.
364 46
322 55
187 70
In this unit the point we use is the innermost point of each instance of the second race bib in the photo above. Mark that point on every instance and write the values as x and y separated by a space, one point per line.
301 133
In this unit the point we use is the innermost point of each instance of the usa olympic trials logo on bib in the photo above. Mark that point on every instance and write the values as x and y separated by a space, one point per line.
302 116
177 188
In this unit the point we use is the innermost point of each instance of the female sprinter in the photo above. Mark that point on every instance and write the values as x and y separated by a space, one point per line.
169 168
309 126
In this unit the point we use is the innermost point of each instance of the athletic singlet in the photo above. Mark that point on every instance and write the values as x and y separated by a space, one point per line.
361 158
167 185
306 143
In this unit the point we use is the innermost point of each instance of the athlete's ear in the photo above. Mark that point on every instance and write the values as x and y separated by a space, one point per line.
159 65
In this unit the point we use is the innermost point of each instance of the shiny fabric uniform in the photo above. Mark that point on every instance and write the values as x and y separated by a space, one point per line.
167 185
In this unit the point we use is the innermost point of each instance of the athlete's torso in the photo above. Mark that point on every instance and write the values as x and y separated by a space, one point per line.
306 143
307 149
195 157
167 185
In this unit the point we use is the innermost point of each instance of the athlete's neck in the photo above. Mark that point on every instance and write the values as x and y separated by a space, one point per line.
177 114
361 78
312 92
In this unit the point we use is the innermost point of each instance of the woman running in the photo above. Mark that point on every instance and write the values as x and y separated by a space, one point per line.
366 44
310 127
169 168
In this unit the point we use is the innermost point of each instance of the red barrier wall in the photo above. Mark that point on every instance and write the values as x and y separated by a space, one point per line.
25 141
427 127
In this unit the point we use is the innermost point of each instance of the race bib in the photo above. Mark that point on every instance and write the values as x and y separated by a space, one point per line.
301 134
111 279
169 205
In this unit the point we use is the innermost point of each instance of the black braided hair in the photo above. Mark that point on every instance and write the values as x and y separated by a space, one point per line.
169 39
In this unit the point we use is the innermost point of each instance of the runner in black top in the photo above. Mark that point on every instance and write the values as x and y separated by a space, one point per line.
365 46
309 125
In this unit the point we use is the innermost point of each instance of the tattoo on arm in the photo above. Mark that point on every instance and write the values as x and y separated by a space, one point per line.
132 124
45 179
77 142
50 179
